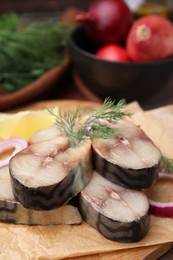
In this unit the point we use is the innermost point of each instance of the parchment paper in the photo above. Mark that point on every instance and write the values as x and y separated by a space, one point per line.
63 241
158 125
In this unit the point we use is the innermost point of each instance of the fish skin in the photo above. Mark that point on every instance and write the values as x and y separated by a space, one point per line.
129 230
129 178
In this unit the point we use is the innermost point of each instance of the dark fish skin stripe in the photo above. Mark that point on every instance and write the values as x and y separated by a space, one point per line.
129 178
126 232
56 195
44 198
52 205
7 211
132 174
38 199
8 206
123 232
67 184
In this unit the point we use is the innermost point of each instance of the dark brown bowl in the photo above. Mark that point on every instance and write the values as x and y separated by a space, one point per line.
132 81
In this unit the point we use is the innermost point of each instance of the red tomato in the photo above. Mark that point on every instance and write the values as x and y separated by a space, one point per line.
113 52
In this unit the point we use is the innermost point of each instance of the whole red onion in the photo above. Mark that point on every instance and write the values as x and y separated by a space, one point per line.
150 39
112 52
107 21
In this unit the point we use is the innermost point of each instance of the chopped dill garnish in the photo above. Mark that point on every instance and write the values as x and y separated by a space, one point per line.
71 124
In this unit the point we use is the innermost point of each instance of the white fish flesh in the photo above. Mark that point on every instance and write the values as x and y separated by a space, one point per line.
129 158
49 172
118 213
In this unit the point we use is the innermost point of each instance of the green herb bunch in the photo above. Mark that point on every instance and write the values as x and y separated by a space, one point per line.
27 51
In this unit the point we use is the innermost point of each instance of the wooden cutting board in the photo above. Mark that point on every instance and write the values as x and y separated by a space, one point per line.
147 253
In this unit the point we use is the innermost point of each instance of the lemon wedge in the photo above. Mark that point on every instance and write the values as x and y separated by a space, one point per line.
24 124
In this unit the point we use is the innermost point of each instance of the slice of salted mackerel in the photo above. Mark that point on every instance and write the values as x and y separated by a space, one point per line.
118 213
49 172
129 158
12 211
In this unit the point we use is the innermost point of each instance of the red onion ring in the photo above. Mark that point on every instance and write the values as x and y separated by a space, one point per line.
15 143
162 209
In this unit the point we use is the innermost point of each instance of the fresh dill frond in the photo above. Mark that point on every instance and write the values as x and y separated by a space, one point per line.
166 165
66 121
71 123
101 131
109 111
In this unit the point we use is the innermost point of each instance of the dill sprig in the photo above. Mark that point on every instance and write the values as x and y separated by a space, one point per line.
66 121
166 165
71 124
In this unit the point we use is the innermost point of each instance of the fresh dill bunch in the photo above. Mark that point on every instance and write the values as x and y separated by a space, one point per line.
166 165
27 52
9 21
71 124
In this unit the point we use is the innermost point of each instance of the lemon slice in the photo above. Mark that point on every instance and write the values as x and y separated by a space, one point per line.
24 124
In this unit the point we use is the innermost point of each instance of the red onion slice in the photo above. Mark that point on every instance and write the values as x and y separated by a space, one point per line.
162 209
16 144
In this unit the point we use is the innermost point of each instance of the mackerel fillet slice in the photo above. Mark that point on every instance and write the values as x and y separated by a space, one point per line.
118 213
12 211
49 172
129 158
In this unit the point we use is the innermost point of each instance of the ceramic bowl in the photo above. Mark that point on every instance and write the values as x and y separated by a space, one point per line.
129 80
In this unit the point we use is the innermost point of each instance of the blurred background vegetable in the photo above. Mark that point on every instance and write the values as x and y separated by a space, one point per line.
113 52
150 38
28 50
106 21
